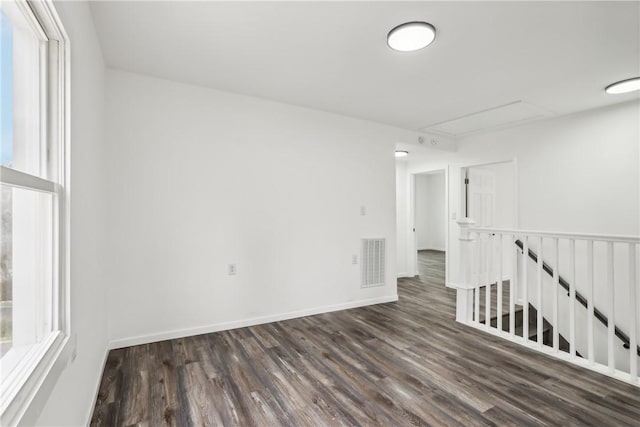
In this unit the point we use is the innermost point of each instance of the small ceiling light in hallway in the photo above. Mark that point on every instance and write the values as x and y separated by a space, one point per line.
411 36
624 86
401 153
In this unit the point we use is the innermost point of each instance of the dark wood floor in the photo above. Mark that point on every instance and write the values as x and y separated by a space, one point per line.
404 363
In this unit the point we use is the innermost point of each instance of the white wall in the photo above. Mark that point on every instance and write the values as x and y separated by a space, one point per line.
575 173
430 211
421 214
200 178
66 398
402 220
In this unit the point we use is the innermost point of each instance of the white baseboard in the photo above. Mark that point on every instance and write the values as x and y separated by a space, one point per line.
223 326
97 386
401 275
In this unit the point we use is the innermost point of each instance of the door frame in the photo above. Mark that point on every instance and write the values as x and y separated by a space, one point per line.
413 241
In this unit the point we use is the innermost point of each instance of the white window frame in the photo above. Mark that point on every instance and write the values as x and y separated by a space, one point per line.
21 385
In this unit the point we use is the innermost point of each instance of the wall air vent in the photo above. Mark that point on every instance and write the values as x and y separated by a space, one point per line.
502 116
373 261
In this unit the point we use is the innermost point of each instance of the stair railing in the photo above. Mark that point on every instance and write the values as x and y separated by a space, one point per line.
626 342
489 257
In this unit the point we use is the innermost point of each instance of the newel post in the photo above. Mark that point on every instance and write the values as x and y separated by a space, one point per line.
464 293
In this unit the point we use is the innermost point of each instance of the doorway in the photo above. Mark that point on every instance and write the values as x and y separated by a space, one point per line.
430 223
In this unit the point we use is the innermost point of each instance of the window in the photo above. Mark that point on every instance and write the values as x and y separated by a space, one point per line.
33 194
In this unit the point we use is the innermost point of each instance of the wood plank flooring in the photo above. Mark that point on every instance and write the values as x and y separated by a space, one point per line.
396 364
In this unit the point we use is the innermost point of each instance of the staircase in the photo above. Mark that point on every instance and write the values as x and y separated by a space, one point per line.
547 328
593 301
579 297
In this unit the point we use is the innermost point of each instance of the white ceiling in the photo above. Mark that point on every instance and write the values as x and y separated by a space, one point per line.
333 55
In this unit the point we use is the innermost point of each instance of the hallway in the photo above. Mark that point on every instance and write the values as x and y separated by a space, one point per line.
404 363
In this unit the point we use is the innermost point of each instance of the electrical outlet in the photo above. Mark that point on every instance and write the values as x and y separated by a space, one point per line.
354 259
231 269
363 210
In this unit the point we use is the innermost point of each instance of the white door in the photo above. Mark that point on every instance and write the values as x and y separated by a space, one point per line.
481 199
482 196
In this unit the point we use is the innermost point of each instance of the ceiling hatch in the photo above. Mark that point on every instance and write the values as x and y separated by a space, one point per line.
497 117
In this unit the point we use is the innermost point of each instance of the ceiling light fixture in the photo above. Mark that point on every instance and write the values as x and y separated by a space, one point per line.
411 36
401 153
623 86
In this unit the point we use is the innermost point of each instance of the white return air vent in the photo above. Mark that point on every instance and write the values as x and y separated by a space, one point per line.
373 261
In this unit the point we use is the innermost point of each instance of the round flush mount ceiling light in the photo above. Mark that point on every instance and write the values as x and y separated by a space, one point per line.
624 86
401 153
411 36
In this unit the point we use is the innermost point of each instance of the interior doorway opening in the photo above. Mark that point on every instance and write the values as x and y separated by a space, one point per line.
430 221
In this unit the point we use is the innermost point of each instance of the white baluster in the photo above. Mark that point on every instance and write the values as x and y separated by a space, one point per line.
487 292
476 311
499 304
633 300
488 270
572 299
539 322
556 288
611 322
591 297
525 289
512 290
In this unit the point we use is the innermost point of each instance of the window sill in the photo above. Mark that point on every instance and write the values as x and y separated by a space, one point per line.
21 385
